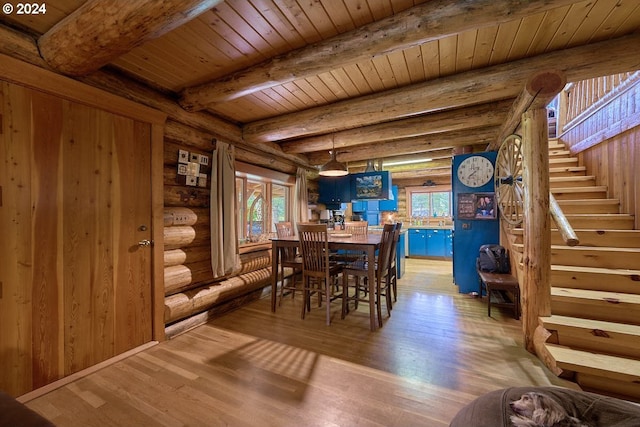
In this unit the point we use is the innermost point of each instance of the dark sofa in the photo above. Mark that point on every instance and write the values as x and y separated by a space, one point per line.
492 409
15 414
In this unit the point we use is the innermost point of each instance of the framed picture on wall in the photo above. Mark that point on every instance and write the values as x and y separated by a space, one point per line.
485 207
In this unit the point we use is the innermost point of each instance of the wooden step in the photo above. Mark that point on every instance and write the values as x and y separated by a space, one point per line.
595 278
567 171
553 153
590 192
601 221
592 256
616 339
590 237
562 162
592 206
606 367
555 144
572 181
597 305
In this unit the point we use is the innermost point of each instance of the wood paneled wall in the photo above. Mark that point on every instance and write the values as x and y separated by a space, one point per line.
608 144
76 288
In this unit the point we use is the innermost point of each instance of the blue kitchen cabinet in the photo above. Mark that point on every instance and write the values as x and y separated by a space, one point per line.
435 242
334 190
360 206
417 242
448 243
390 205
400 255
373 217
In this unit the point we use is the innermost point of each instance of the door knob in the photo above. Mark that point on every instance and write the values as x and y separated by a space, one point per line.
144 243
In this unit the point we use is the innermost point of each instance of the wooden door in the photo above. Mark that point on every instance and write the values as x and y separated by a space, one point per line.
75 284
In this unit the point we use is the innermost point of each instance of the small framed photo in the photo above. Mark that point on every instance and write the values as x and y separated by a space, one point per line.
183 156
204 160
195 157
193 169
192 180
202 180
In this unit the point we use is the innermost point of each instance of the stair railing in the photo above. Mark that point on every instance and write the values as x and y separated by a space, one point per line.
564 227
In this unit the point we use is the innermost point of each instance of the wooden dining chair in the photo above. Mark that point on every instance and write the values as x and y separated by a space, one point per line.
392 275
359 269
318 273
354 228
289 258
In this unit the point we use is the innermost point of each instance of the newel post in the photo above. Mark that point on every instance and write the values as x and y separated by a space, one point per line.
536 295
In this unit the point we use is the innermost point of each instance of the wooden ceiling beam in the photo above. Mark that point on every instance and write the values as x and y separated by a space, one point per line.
99 31
430 21
383 149
469 88
490 114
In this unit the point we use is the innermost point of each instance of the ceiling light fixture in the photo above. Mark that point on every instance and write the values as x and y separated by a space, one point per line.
333 167
407 162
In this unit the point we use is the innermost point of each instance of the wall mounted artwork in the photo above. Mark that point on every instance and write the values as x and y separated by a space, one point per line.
192 169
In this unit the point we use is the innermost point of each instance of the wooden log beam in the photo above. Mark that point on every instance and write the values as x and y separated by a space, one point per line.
432 20
485 85
269 155
185 304
17 45
477 116
420 144
536 292
99 31
539 90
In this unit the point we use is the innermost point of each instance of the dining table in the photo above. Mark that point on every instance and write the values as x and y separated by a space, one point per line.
368 244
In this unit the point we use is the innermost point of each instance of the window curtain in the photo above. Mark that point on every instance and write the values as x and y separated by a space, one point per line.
300 201
224 240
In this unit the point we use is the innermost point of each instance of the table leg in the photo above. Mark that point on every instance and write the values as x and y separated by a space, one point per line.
373 289
275 255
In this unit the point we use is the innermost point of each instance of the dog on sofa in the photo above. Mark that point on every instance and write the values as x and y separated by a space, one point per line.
540 410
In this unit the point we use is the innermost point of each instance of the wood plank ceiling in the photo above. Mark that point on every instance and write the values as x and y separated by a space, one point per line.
379 79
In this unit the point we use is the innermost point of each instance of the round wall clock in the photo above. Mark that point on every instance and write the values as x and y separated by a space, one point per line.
475 171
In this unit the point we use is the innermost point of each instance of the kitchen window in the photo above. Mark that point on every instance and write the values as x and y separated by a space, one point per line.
428 202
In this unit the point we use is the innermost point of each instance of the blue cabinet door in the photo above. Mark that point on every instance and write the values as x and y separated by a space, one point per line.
392 204
435 242
359 206
417 242
448 244
400 255
373 217
334 189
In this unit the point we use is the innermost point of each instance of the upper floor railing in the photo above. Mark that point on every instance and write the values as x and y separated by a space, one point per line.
580 99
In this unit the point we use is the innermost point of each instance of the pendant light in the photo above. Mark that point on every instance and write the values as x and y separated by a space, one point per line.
333 167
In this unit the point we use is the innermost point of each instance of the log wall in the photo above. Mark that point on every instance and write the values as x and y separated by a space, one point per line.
190 288
607 142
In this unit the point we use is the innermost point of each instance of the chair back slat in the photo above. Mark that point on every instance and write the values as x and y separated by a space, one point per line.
357 228
314 247
386 241
285 229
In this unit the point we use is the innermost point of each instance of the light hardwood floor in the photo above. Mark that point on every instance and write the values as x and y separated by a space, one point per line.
437 352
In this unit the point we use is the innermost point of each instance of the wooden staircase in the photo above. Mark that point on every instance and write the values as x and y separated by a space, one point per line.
595 286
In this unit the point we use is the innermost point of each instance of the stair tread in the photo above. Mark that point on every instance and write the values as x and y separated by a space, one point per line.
601 325
588 201
614 297
585 361
520 231
588 189
572 178
589 248
596 270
